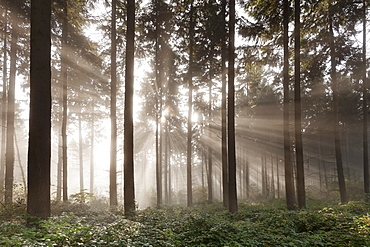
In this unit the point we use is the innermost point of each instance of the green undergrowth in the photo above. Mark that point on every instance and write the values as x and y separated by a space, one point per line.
256 224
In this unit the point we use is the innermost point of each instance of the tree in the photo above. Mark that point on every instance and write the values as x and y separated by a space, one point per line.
190 110
233 201
3 102
63 61
289 187
39 149
225 193
113 112
297 108
365 111
9 156
337 141
129 189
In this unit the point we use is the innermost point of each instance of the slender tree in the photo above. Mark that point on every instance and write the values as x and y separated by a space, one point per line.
190 106
289 184
233 201
64 78
9 156
3 102
92 165
225 187
80 153
39 149
158 106
365 110
113 112
337 141
129 189
301 197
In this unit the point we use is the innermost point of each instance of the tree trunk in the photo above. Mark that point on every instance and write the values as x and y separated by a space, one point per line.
289 185
129 186
337 141
80 154
210 172
113 113
92 165
158 106
365 112
225 182
3 103
233 201
20 165
39 149
64 72
60 160
301 191
190 111
9 156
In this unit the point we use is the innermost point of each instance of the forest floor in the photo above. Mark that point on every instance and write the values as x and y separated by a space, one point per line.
256 224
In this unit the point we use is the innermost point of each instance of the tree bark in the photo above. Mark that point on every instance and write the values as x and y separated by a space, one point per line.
39 149
129 186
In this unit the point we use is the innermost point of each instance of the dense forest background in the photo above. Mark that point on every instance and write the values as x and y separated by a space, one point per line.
310 119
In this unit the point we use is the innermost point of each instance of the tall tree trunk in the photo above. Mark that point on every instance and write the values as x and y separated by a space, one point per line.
158 106
113 113
301 191
165 172
289 185
190 111
247 179
80 154
9 156
129 186
365 112
225 181
39 149
92 165
64 72
210 172
233 200
20 165
337 141
3 104
60 160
